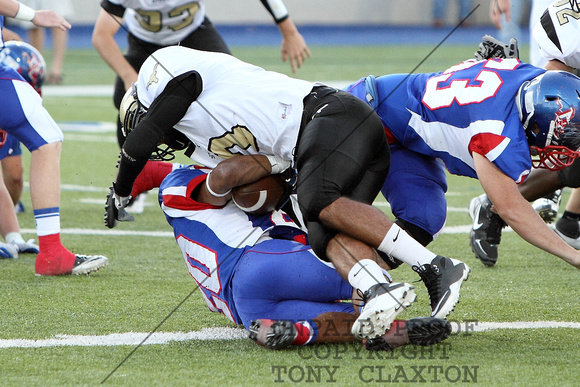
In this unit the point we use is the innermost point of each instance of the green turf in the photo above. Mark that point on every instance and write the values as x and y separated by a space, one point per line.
147 279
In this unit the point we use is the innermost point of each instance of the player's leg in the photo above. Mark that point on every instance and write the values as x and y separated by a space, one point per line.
206 38
26 119
13 170
9 222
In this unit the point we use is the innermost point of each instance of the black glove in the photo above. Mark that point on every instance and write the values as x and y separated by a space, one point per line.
115 209
490 48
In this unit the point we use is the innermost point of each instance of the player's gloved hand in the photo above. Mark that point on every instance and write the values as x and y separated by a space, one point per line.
26 247
115 209
490 48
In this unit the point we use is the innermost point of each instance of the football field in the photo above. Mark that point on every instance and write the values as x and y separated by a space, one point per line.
141 321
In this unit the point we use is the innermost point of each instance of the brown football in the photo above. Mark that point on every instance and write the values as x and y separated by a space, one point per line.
261 196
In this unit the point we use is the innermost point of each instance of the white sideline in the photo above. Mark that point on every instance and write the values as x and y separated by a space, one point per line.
135 338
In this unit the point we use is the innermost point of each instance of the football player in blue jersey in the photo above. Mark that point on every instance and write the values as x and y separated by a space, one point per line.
258 269
29 63
23 116
491 120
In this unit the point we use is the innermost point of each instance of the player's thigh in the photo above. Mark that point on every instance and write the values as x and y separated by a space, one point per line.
23 116
415 189
336 149
278 269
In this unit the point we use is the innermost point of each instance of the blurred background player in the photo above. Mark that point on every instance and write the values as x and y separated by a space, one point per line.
23 116
182 22
59 38
258 270
507 16
556 33
29 63
440 12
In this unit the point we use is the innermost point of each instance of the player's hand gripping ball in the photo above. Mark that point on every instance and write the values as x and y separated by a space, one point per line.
262 196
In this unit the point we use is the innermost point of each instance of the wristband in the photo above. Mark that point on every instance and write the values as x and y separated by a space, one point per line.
217 195
278 164
25 13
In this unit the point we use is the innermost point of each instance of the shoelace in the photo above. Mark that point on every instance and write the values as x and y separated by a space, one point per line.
496 224
430 276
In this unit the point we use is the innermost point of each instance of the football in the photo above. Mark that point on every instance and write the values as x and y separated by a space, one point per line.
261 196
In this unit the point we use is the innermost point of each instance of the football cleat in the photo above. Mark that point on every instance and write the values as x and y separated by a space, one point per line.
18 208
8 250
85 264
569 230
113 214
443 278
273 334
421 331
485 233
547 207
382 303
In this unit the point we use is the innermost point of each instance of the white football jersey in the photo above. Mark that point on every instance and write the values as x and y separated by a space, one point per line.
162 22
242 108
558 34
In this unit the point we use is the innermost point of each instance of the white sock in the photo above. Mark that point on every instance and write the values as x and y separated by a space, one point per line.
365 274
399 244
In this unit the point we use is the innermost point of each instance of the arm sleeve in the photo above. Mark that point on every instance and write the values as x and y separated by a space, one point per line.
165 112
277 9
113 9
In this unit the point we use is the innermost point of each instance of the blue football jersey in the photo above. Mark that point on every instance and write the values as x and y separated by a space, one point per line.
213 239
470 107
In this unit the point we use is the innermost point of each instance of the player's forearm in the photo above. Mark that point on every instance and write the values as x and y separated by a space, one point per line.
9 7
112 55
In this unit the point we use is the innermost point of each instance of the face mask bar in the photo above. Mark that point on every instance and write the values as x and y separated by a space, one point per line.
553 157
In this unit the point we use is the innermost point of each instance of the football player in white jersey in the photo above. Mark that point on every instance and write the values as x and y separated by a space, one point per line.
23 116
557 35
155 24
335 141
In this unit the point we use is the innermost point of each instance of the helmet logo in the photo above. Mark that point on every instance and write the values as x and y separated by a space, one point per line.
153 78
35 66
562 119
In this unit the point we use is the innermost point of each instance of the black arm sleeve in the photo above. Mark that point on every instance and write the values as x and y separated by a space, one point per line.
165 112
278 16
113 9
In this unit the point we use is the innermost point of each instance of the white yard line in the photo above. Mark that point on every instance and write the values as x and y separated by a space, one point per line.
135 338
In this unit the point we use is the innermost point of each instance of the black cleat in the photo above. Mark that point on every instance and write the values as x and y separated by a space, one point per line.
421 331
443 278
273 334
485 233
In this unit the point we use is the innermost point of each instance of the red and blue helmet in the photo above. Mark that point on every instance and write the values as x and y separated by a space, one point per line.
549 107
26 60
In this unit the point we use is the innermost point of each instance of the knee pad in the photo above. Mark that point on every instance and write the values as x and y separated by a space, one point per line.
420 235
318 238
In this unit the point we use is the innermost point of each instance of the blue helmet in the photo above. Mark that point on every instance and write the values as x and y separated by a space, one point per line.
26 60
549 107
